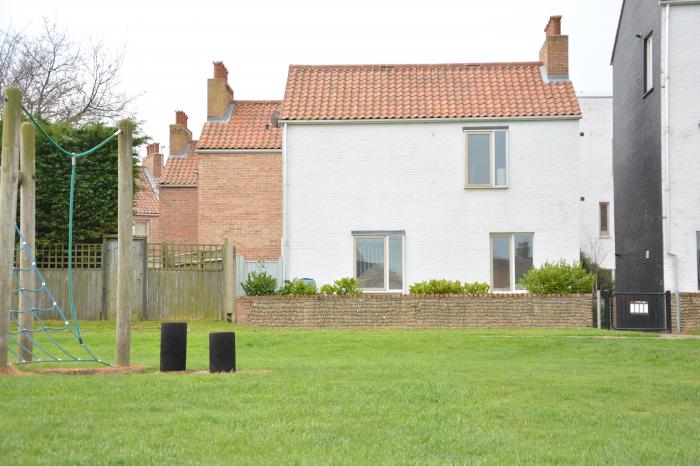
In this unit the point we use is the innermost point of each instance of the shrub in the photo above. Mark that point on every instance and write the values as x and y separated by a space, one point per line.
443 286
298 288
342 287
558 277
259 284
476 288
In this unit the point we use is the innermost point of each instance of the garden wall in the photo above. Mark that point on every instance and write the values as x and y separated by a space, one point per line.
690 311
418 311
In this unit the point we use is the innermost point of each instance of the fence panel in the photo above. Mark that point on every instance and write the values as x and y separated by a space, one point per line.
185 294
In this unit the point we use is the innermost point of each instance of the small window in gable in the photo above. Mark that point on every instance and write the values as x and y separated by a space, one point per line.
486 158
604 219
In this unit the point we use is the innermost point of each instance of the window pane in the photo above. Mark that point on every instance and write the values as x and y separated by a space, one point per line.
396 262
604 218
500 247
370 262
523 256
649 63
500 158
479 166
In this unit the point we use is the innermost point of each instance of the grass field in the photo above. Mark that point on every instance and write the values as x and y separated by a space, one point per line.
369 397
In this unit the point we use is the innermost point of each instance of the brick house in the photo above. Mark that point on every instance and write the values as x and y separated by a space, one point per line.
227 184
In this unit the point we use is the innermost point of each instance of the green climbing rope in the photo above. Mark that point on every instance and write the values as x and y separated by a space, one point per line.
73 173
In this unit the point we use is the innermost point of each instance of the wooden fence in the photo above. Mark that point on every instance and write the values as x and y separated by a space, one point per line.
171 281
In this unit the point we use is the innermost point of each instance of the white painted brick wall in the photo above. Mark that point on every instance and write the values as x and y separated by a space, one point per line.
596 178
410 176
684 103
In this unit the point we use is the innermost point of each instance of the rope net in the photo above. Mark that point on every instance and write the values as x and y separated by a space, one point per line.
39 330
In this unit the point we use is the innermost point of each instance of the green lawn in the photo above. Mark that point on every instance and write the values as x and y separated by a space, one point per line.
370 397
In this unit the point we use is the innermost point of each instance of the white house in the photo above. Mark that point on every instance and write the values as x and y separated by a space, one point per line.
400 173
596 180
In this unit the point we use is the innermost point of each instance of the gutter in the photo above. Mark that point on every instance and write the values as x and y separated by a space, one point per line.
434 120
666 149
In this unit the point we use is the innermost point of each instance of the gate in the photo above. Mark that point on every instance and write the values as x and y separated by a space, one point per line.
638 311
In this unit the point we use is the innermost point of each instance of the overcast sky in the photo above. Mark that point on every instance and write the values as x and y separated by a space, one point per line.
169 46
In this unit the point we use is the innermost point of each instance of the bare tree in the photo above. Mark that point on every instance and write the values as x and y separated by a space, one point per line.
595 253
59 79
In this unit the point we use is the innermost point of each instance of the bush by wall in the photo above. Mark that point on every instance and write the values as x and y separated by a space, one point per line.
259 284
558 277
448 287
343 287
298 288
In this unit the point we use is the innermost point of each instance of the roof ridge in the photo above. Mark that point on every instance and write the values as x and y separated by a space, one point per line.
416 65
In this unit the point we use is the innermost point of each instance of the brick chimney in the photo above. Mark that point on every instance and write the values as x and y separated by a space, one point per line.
180 135
555 50
219 93
153 160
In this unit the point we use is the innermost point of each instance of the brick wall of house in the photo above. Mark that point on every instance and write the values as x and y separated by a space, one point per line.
690 312
178 222
153 226
240 198
410 311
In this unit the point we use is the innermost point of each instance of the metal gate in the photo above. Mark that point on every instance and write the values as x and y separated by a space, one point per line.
638 311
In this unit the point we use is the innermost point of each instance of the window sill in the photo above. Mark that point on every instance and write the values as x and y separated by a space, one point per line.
486 187
606 236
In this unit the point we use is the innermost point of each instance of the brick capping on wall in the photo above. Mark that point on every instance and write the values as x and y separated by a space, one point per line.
516 310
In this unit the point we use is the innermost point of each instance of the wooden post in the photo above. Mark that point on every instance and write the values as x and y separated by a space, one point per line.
229 263
125 245
8 211
27 206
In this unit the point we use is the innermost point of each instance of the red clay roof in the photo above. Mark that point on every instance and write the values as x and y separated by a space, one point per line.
146 202
350 92
181 170
248 128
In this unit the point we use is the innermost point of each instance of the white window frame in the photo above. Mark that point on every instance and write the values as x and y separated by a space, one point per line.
649 63
513 286
491 132
385 236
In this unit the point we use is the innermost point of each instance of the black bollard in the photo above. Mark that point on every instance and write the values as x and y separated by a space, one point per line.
222 352
173 346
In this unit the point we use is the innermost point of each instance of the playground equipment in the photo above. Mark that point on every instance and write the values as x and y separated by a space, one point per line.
25 331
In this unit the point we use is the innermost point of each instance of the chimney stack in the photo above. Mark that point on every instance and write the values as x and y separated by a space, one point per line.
180 135
554 53
153 160
219 93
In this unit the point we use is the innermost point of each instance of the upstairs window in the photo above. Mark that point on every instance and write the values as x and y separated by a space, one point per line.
604 221
649 63
379 260
486 158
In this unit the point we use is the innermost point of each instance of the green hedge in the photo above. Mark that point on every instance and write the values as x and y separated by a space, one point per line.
442 286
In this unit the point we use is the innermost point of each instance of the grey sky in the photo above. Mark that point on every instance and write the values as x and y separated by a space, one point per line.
169 45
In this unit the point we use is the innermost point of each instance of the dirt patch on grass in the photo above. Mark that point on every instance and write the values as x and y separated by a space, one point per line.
107 370
206 372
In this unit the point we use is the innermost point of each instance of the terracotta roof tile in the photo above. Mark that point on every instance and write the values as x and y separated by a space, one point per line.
181 170
248 128
146 202
350 92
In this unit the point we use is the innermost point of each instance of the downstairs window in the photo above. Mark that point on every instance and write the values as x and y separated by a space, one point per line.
378 259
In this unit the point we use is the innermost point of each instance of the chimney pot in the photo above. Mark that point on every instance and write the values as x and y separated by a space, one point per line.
220 71
553 27
180 118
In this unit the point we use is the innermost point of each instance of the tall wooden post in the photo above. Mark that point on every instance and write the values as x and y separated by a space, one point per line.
125 245
8 211
27 206
229 263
